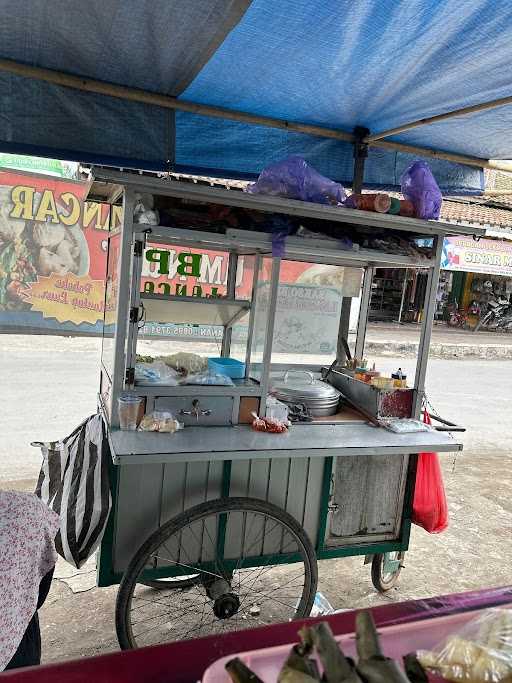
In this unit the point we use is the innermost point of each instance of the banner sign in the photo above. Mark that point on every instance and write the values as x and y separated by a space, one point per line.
53 252
490 257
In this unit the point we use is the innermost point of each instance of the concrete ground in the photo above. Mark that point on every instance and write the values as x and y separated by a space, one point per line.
50 385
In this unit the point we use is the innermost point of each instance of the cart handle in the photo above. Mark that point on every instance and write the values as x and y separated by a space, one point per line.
448 426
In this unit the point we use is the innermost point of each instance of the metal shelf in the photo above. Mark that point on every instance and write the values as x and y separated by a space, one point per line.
241 442
295 248
195 310
292 207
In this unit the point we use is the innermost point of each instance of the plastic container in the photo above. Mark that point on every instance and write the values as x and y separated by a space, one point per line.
380 203
129 408
276 410
384 383
227 366
396 641
406 208
360 374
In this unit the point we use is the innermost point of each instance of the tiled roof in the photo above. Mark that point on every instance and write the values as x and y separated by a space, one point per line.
481 210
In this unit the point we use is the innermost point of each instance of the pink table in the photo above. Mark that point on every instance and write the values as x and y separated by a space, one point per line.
186 661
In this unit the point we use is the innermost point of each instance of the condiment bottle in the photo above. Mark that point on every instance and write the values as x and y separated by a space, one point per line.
399 379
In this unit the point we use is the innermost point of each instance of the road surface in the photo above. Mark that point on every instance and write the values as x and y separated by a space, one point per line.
49 385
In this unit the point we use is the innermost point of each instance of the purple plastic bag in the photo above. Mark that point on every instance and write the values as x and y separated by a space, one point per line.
419 187
295 179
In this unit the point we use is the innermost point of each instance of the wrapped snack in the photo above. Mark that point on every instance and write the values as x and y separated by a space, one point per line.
480 653
160 421
185 362
268 424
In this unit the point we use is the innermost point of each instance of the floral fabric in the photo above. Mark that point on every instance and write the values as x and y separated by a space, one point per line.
27 552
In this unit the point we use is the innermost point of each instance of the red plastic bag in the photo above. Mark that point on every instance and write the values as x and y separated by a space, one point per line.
429 508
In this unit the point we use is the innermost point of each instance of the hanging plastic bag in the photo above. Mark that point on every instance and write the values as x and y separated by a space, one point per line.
294 178
429 508
419 187
74 483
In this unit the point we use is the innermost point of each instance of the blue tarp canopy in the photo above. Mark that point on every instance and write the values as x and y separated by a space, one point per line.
335 64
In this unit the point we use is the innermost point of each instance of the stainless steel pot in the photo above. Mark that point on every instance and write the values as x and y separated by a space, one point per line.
300 386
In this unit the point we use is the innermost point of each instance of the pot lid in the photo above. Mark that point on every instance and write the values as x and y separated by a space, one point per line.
301 384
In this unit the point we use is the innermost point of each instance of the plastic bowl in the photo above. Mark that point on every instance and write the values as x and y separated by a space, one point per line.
227 366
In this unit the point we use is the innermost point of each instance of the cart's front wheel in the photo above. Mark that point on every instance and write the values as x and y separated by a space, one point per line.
244 563
386 568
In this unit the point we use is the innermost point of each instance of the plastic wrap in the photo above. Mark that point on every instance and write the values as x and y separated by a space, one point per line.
144 212
209 379
155 373
403 425
419 187
160 421
185 362
294 178
481 652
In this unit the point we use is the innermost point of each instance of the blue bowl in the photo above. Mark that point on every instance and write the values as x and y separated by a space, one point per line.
227 366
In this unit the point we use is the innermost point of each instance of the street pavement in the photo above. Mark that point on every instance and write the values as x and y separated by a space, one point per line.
50 383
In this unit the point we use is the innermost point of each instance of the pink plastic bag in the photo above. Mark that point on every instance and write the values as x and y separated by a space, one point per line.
429 508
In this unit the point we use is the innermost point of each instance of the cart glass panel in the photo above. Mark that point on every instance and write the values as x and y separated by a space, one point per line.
309 306
186 308
261 318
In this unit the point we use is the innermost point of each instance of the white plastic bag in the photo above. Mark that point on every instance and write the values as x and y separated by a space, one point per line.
481 652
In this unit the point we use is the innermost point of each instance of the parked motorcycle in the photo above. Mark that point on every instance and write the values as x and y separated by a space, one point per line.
457 318
497 316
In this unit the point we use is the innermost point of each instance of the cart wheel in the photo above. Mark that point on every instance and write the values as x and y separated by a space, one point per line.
251 564
386 568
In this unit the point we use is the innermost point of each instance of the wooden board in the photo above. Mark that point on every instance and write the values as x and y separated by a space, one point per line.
346 414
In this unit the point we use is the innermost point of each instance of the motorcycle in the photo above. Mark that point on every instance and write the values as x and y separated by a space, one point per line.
498 315
457 318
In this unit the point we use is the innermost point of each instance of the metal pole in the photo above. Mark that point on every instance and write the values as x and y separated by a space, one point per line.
344 327
269 332
123 303
360 154
473 109
364 310
403 297
252 315
426 330
231 287
168 102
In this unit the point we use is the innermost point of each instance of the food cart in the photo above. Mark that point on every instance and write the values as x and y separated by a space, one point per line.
216 526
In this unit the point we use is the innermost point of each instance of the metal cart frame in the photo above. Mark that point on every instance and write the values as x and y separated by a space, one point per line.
237 461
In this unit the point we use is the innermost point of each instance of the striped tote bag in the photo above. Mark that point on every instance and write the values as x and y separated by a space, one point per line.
74 483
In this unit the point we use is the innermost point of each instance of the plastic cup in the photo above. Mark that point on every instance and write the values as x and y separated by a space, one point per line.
129 407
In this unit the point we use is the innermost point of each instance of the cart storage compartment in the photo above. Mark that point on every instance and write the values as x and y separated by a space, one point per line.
367 498
213 410
150 495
